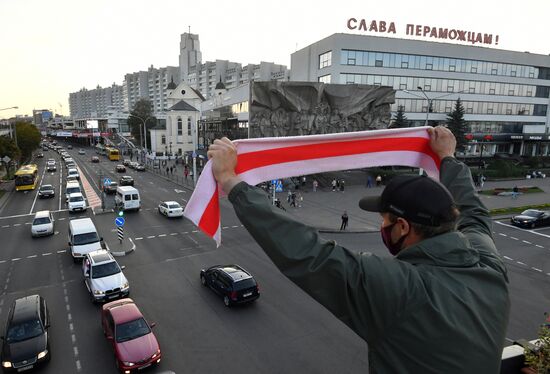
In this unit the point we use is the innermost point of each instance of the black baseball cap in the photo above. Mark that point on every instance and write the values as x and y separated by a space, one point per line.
419 199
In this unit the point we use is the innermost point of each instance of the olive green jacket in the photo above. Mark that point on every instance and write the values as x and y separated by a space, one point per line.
440 306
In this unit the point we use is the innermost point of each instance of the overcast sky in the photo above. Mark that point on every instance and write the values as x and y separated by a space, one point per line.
49 48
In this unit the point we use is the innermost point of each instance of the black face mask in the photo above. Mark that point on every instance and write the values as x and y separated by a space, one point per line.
394 248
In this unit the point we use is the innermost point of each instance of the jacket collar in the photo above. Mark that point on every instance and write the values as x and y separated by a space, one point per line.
451 249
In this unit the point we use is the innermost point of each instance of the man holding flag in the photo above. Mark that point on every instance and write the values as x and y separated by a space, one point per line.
439 304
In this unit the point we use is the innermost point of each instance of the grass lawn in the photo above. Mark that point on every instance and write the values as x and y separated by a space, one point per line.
522 189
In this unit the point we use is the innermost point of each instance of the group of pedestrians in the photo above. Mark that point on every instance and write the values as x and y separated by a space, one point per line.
294 199
338 185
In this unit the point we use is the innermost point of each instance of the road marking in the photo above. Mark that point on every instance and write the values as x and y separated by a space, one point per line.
517 228
46 254
68 307
61 219
162 235
69 317
521 263
540 271
5 226
16 259
194 241
28 223
16 224
501 234
526 242
511 237
62 251
33 256
138 238
195 231
2 261
234 227
73 338
508 258
174 233
151 237
538 245
75 351
225 227
36 196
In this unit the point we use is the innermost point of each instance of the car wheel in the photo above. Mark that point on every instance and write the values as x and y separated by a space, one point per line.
159 211
532 225
203 280
226 301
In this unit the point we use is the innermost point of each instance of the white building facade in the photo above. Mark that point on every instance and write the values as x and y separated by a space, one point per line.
505 94
96 102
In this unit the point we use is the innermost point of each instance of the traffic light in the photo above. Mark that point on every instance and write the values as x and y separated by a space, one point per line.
121 213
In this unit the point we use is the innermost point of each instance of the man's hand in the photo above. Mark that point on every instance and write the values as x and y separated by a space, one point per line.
223 154
442 141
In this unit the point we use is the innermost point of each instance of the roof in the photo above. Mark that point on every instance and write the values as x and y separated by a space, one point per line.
25 308
42 213
220 85
235 272
171 85
127 189
183 106
82 225
100 255
125 312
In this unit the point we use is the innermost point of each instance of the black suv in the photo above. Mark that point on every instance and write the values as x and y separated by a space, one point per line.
126 180
232 282
25 343
46 190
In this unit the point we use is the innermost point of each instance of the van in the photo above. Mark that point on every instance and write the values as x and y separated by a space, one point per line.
127 198
71 187
83 238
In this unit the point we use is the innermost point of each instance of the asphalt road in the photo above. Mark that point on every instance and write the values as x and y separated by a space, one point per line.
283 331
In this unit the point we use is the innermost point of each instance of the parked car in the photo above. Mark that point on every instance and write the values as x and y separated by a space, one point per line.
25 344
42 224
134 343
126 180
95 159
126 162
76 202
232 282
103 276
81 152
120 168
140 167
111 188
170 209
46 190
531 218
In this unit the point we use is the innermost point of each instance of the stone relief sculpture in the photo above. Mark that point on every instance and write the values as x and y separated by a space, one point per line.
306 108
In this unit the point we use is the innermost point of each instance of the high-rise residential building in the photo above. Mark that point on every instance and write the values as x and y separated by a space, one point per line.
505 94
151 84
204 77
95 103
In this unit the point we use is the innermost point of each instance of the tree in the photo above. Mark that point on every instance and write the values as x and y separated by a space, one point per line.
400 119
457 125
28 139
142 111
8 148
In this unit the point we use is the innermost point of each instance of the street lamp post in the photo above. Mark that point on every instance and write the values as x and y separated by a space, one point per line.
486 138
430 100
144 137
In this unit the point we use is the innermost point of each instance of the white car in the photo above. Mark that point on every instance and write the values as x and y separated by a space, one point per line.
103 276
73 173
76 202
81 152
50 166
42 224
171 209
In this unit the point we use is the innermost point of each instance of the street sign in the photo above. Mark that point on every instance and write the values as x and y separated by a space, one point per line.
107 182
120 233
274 182
6 159
194 154
119 221
279 186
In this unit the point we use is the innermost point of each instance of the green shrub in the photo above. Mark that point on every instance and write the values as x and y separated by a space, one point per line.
504 169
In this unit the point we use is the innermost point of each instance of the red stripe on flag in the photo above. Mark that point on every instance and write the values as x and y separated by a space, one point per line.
210 219
253 160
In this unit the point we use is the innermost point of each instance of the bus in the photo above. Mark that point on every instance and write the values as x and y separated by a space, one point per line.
100 149
112 154
26 177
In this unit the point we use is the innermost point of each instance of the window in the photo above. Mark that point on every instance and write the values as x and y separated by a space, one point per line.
493 71
452 68
163 139
469 110
427 87
509 111
324 78
378 63
510 92
491 91
325 59
180 126
404 65
450 88
513 73
531 75
403 86
489 110
429 66
472 90
188 126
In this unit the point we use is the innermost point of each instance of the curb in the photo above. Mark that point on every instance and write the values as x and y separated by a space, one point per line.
337 231
124 253
98 211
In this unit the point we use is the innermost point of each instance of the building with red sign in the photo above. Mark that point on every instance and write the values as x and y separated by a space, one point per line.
505 94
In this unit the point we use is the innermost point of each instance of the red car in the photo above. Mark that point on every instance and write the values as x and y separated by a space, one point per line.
134 343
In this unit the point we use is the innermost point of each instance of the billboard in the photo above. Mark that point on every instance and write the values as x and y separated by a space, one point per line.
92 124
306 108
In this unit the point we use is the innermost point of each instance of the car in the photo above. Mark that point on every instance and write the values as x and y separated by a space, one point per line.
95 159
120 168
131 336
73 172
45 149
170 209
140 167
26 344
531 218
77 202
126 162
232 282
126 180
69 147
68 160
51 166
42 224
40 155
81 152
70 165
46 190
134 164
111 188
103 277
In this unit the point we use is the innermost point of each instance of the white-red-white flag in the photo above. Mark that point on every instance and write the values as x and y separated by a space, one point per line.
264 159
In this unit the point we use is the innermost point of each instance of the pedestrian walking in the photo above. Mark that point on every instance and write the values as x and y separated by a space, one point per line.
303 181
288 197
378 180
167 170
333 185
315 185
186 173
293 199
481 180
369 181
171 170
300 200
515 192
342 185
345 219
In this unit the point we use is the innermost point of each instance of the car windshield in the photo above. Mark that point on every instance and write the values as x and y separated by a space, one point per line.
41 221
46 188
87 238
73 190
530 213
131 330
75 199
105 270
245 283
174 206
24 330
